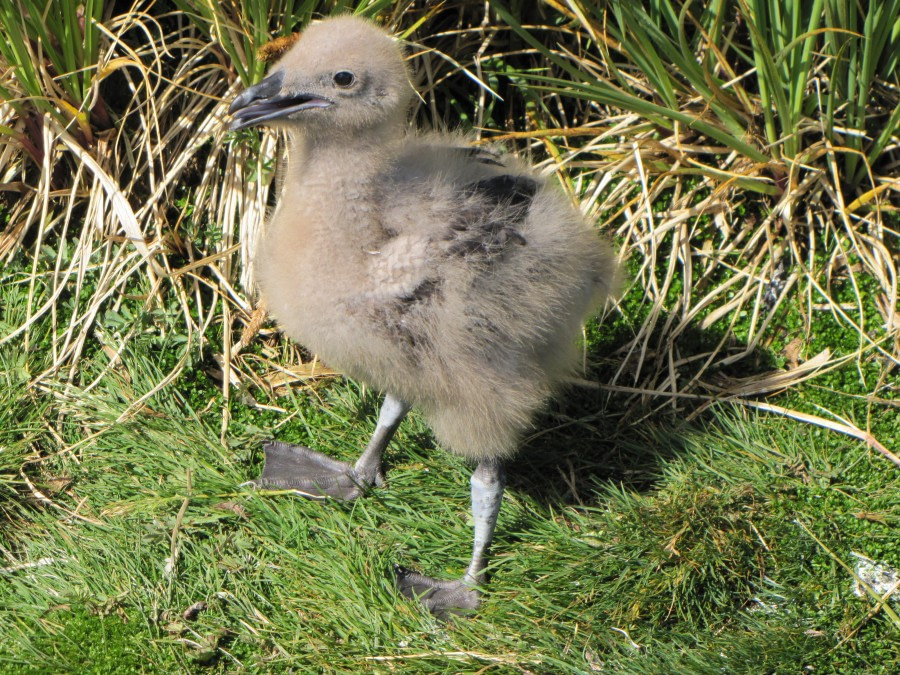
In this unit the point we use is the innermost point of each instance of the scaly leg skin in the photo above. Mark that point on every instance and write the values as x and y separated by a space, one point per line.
448 598
314 475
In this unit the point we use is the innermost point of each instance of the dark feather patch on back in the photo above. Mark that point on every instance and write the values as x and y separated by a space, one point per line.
427 290
486 223
401 317
516 190
481 156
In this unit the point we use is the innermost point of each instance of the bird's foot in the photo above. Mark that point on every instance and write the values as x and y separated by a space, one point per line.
444 599
311 474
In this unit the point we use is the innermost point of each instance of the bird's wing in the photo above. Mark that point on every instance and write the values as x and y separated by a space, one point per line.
399 268
488 219
446 205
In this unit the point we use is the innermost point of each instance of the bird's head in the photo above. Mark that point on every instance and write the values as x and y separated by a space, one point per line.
343 73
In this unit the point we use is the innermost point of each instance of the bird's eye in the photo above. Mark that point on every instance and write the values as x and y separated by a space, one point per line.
344 78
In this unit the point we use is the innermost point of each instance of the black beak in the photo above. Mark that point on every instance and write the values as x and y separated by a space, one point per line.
264 101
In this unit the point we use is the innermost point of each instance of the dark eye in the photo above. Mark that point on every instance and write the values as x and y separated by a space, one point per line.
344 78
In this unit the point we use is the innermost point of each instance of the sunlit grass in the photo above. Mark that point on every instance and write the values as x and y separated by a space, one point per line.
713 566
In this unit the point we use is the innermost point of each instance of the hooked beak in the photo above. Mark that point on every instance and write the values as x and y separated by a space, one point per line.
264 101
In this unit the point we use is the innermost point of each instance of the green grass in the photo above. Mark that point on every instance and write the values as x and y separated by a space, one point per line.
650 547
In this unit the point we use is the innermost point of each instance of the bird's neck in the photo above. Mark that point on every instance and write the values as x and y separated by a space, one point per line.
332 181
322 160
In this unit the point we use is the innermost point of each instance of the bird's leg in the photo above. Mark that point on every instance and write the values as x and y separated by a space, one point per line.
368 466
488 482
445 598
312 474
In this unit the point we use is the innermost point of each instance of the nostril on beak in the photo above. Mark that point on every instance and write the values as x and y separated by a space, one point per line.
268 88
267 102
241 101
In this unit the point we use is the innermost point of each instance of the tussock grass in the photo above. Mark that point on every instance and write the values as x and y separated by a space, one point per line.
714 242
659 519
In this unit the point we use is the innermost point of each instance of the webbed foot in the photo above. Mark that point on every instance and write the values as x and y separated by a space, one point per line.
312 474
444 599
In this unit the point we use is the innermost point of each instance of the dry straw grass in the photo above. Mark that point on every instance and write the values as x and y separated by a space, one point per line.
167 201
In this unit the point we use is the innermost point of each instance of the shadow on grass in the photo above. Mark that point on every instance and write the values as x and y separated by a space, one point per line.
589 436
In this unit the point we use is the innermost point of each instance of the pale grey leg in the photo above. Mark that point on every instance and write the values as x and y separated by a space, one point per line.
368 466
312 474
488 483
445 598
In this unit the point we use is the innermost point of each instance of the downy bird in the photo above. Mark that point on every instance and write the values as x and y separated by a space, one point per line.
453 279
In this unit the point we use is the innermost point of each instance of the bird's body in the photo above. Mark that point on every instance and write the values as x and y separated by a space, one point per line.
453 278
406 271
